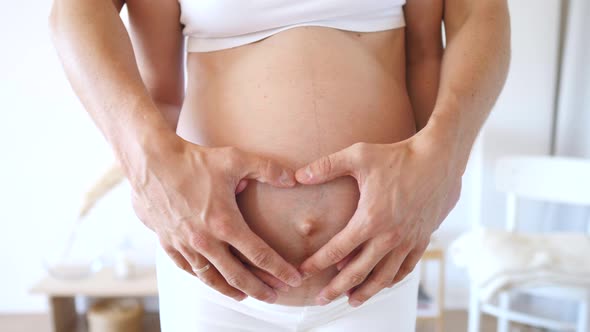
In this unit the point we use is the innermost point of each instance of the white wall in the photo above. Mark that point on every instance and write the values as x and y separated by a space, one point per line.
51 153
573 135
51 150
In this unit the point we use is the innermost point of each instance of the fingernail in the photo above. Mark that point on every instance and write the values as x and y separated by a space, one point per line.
322 300
308 173
295 281
306 275
241 297
285 178
355 303
271 297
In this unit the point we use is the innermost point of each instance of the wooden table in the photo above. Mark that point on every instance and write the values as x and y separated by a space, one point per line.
103 284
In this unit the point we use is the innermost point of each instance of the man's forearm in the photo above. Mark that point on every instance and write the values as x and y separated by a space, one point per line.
98 59
474 68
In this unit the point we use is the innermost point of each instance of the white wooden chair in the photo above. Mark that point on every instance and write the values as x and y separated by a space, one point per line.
544 178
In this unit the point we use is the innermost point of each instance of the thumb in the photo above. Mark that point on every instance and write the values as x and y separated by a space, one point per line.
327 168
267 171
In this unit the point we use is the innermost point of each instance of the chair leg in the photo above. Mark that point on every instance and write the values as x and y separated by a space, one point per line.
474 310
503 323
583 312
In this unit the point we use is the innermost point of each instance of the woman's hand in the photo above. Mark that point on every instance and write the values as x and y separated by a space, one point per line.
186 195
406 190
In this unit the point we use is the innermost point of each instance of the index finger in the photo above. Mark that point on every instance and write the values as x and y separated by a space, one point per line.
340 246
260 254
327 168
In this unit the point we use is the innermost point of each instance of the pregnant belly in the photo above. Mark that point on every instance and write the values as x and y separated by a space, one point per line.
294 97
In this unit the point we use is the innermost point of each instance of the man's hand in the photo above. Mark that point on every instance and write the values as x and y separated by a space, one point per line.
406 189
186 195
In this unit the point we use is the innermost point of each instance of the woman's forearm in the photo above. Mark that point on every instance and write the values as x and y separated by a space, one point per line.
170 113
424 51
97 56
474 68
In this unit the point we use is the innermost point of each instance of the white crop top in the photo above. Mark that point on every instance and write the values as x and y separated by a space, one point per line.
212 25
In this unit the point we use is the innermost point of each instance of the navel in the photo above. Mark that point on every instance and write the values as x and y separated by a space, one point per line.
307 227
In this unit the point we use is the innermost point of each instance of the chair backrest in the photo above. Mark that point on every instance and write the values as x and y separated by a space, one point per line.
544 178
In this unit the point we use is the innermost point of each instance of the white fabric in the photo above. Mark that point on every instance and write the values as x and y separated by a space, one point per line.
188 305
212 25
498 260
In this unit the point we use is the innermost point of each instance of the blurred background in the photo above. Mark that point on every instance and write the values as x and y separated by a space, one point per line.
52 153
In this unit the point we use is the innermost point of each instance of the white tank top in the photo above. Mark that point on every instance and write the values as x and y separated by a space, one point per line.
212 25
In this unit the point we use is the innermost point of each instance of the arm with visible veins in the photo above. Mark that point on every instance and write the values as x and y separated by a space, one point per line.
399 210
99 61
474 68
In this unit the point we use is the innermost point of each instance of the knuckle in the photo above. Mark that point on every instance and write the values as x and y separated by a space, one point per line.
390 239
208 280
212 217
403 271
382 282
224 229
236 281
262 295
220 225
406 246
399 277
361 296
359 150
373 212
331 293
366 230
265 166
356 278
232 156
282 274
230 292
231 151
199 241
335 254
263 259
324 165
422 245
